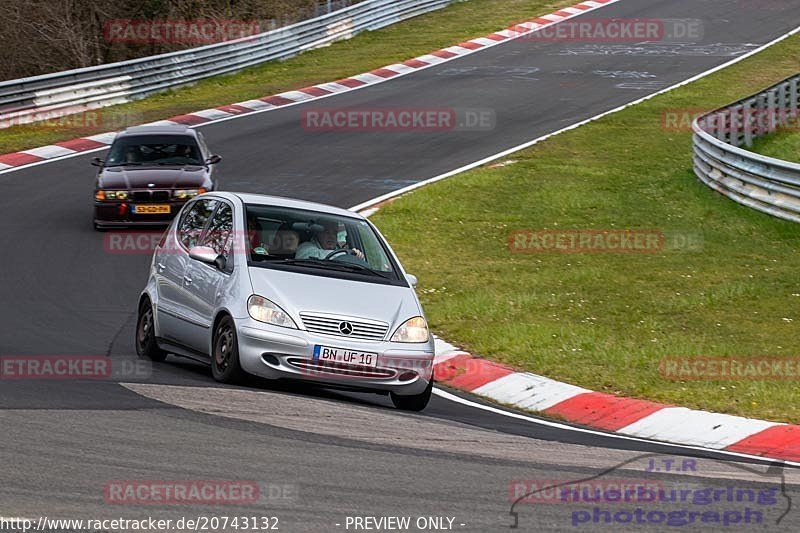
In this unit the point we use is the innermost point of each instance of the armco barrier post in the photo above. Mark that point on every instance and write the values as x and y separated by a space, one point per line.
736 119
771 110
722 124
748 123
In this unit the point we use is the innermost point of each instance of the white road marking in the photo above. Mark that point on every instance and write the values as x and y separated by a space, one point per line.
333 87
49 152
211 114
701 428
296 96
529 391
256 105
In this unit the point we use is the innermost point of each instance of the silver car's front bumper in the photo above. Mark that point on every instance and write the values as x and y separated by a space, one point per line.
274 352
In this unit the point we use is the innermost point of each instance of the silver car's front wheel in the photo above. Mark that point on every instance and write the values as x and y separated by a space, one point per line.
417 402
146 346
225 365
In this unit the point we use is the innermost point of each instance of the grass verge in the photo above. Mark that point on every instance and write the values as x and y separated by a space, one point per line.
783 144
367 51
605 321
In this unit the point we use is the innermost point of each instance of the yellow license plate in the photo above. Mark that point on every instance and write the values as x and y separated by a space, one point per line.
151 209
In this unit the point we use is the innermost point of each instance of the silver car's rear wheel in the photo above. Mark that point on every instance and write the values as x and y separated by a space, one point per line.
146 346
225 365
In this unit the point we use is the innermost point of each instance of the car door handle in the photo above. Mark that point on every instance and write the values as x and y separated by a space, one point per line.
187 279
160 267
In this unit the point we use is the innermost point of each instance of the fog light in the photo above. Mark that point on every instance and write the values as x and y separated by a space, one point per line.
270 359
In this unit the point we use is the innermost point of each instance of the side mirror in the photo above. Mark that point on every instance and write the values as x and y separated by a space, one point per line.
412 279
97 162
207 255
213 160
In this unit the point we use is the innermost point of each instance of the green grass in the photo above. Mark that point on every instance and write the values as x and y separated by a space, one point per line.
783 144
367 51
604 321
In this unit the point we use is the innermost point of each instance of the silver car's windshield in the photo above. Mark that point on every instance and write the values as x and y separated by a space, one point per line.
310 239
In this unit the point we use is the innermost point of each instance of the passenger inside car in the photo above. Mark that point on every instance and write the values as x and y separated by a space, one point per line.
286 242
255 237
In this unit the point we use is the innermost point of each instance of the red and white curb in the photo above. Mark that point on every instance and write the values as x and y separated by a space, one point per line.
17 160
627 416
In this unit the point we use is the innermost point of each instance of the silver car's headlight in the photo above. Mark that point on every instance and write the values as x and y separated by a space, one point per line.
265 311
413 330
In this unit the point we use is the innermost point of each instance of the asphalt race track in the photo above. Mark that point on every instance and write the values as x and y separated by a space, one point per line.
335 454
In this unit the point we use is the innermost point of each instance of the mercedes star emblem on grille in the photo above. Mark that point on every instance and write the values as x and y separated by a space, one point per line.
346 328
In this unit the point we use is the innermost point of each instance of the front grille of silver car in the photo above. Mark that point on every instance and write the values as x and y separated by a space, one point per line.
362 329
315 368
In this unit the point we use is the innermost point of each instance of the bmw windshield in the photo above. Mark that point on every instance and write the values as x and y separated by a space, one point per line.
168 150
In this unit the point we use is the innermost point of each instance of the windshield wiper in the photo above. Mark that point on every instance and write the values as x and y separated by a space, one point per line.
346 267
133 164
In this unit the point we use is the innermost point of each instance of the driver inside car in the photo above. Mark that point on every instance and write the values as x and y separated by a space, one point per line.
323 243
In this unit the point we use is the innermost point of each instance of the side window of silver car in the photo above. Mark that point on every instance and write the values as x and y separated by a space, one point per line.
191 227
219 234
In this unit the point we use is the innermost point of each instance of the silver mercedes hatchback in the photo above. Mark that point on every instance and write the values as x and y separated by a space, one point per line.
282 288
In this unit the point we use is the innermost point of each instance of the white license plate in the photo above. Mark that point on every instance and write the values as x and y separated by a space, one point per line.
343 355
156 209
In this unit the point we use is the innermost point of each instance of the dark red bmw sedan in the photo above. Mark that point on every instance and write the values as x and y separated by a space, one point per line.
149 173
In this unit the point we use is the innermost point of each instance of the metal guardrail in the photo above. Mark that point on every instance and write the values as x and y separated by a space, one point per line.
764 183
42 97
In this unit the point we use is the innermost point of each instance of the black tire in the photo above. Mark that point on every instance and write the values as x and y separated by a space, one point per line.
417 402
146 346
225 366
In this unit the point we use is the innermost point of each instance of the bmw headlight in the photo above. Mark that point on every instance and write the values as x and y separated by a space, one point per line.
101 195
187 194
263 310
413 330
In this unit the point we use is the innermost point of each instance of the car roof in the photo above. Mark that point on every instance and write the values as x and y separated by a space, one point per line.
165 129
279 201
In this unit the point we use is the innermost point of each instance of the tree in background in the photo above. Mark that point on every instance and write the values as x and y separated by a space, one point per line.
42 36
